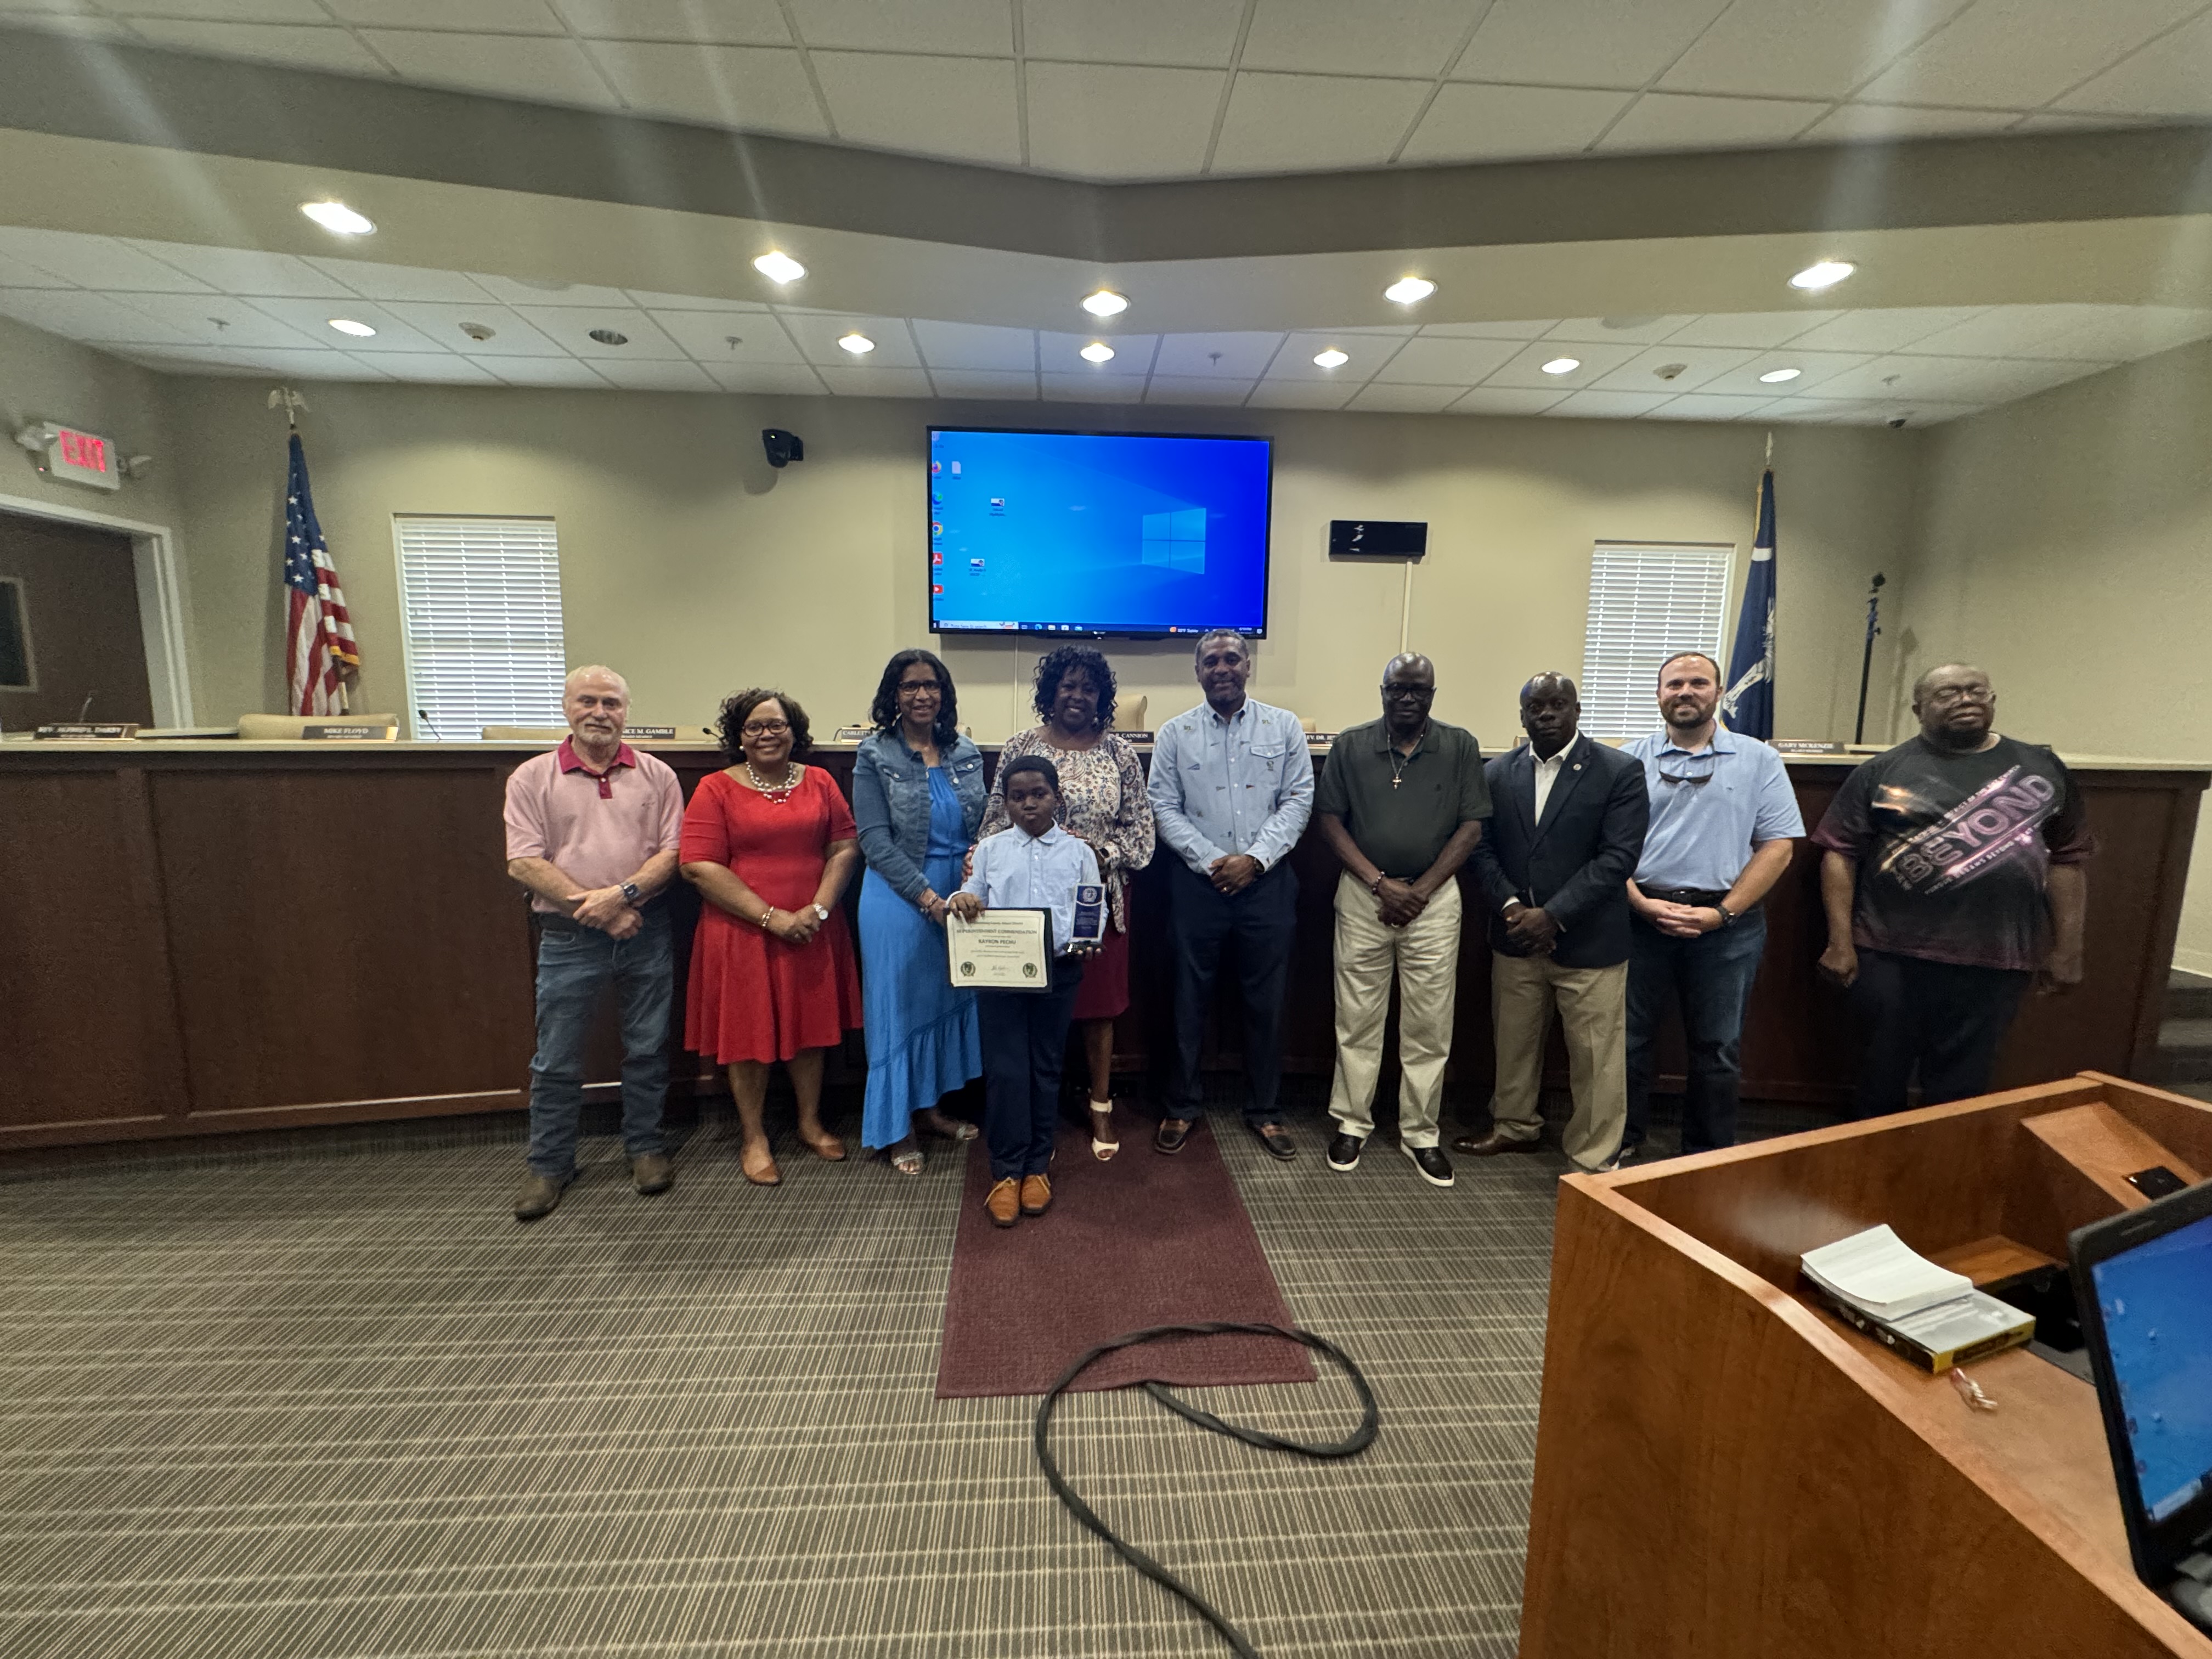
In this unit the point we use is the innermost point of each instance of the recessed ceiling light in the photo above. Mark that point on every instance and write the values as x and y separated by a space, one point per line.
609 337
1105 303
1825 275
338 216
1097 352
779 267
858 344
1775 376
347 326
1332 358
1407 289
1563 365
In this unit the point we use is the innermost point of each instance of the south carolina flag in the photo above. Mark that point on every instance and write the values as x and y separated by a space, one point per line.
1748 703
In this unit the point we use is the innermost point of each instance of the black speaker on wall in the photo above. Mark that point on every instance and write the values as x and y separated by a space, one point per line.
783 447
1377 538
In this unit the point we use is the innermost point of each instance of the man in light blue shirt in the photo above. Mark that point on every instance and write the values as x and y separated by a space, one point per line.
1724 822
1231 789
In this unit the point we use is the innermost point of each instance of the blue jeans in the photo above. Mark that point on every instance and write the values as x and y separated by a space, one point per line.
1710 978
574 968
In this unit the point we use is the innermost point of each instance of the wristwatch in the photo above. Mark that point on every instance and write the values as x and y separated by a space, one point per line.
629 891
820 915
1729 918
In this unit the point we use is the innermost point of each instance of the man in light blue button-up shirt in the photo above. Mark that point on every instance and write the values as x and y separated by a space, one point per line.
1231 789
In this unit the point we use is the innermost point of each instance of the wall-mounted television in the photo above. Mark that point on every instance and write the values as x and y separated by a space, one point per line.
1137 534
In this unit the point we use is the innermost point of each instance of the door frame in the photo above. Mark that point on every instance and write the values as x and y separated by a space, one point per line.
161 598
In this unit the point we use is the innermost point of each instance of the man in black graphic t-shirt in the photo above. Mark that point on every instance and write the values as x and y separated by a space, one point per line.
1951 879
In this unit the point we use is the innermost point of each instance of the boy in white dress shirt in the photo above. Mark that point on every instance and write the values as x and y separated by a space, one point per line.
1036 865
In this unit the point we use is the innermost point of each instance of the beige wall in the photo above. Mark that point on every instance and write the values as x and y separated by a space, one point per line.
695 568
2067 547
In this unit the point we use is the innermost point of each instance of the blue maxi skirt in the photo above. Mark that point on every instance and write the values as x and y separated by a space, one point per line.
923 1040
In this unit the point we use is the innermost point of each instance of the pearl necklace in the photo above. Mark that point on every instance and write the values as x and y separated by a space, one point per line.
780 793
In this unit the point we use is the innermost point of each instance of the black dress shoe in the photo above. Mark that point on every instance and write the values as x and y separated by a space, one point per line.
1436 1169
1172 1135
1277 1139
1493 1144
1344 1151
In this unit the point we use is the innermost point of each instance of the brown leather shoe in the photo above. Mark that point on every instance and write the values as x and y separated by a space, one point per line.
1003 1206
1491 1145
538 1196
651 1173
1173 1134
1036 1194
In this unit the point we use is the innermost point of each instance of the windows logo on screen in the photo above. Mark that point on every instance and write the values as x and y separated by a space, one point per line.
1176 540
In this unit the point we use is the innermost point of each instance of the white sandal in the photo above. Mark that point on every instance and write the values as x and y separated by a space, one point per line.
1101 1150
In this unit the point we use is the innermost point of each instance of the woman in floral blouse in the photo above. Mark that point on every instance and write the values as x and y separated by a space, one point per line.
1102 786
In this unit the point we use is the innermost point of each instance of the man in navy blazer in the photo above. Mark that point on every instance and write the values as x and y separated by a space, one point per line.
1571 815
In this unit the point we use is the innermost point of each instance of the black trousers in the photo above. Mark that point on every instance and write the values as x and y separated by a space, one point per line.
1946 1019
1263 919
1025 1046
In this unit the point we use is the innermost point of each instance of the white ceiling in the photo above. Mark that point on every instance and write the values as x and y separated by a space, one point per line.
1163 89
226 310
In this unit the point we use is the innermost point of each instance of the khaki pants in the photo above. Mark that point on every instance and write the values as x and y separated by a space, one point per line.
1426 957
1592 1016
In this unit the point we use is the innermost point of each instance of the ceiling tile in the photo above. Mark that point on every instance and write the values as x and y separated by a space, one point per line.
2171 76
790 380
2003 331
1404 331
875 380
1279 123
1609 406
1504 400
1586 43
377 282
818 333
985 383
1701 406
434 365
1295 361
99 262
2117 333
245 271
1883 331
1804 413
572 326
650 300
1814 369
77 315
1663 120
1618 331
655 377
313 319
1099 121
956 106
1428 360
1378 37
1196 389
551 71
514 290
1524 330
1526 369
1500 123
2052 121
763 89
1300 394
1853 123
717 338
216 319
236 11
957 26
1061 352
1239 356
731 22
978 346
2016 54
14 273
327 48
1405 399
511 336
75 26
491 16
1810 48
1092 388
1202 33
1749 328
542 371
1958 380
1699 364
188 359
308 365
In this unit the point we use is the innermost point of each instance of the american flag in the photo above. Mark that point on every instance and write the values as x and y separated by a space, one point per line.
321 659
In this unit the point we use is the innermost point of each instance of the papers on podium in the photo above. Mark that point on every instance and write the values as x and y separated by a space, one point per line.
1877 1283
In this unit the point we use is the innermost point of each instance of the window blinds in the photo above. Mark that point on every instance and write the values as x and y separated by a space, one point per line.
480 615
1647 601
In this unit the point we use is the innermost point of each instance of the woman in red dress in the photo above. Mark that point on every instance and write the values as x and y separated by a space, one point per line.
770 843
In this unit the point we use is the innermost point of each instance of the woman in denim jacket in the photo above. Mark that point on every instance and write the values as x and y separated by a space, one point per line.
918 796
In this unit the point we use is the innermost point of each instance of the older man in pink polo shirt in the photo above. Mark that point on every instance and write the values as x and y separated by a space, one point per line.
592 831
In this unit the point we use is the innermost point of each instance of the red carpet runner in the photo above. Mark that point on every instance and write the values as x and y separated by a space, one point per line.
1142 1241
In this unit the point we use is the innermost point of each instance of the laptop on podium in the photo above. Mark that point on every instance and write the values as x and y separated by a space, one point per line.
2143 1281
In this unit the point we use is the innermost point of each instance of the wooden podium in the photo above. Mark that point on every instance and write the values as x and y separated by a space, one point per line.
1723 1471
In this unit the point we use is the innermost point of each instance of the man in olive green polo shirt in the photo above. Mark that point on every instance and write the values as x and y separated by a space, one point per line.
1401 802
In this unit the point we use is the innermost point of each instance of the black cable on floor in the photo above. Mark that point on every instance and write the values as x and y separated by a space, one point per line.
1357 1442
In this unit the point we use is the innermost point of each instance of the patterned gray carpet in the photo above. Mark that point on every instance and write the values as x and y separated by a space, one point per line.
342 1405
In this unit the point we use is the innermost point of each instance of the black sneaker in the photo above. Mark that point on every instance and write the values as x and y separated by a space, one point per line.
1344 1151
1620 1160
1436 1169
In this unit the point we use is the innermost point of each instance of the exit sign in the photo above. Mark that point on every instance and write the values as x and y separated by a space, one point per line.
83 457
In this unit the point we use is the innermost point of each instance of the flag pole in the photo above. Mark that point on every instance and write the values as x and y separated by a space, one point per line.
1866 661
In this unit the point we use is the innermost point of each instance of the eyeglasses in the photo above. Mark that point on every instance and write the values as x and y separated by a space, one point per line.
1950 694
914 688
1695 780
1413 693
766 728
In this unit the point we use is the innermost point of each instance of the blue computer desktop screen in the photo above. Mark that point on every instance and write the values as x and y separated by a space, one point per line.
2156 1300
1097 533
